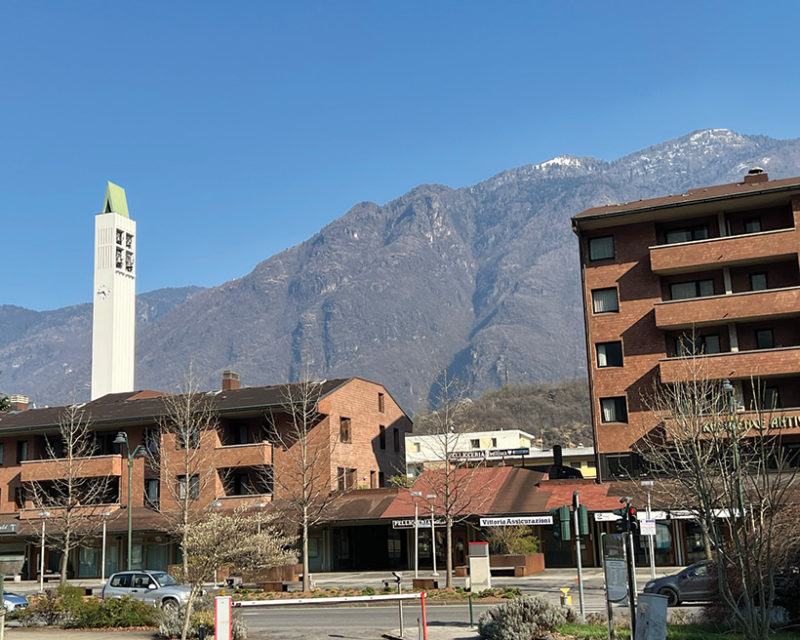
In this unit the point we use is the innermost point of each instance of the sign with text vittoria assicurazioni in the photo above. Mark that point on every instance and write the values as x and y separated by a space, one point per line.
758 423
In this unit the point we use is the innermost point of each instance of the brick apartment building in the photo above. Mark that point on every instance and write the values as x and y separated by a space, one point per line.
360 425
712 272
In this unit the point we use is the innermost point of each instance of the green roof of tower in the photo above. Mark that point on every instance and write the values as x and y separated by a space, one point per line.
115 200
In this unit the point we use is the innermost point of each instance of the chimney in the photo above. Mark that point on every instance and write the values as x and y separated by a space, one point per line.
557 459
756 175
230 380
19 402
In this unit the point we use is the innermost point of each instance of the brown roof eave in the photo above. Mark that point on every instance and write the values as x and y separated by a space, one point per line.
580 218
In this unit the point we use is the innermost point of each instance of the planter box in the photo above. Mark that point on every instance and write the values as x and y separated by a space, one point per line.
517 564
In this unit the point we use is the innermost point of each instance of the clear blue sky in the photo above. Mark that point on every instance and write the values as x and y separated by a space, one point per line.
241 128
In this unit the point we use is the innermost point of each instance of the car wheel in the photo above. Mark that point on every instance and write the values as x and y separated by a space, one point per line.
169 604
672 596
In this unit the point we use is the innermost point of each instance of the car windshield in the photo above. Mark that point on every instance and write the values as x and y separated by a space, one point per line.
164 579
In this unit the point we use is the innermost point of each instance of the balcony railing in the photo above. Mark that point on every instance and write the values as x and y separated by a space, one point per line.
58 468
736 307
246 501
243 455
726 251
759 363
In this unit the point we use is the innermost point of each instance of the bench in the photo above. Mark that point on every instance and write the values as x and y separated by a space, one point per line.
424 583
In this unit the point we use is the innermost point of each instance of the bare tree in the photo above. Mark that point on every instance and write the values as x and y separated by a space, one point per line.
73 495
304 479
181 451
249 542
455 497
731 468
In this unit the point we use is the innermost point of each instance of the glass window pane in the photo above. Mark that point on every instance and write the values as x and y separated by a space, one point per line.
609 354
678 235
753 225
683 290
706 287
764 339
601 248
700 233
711 344
758 281
604 300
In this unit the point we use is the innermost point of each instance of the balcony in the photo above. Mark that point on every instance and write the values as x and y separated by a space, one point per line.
762 363
243 455
248 501
91 467
727 251
736 307
30 512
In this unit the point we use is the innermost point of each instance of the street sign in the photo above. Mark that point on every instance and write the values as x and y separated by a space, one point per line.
614 566
9 527
647 527
511 522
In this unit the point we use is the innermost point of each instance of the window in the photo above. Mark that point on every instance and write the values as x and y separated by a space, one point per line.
752 225
1 453
396 434
22 451
694 289
121 580
609 354
382 437
605 300
188 434
772 398
346 479
620 465
381 479
151 439
417 447
373 480
151 492
494 442
344 429
686 345
687 235
193 487
475 444
20 496
601 248
758 281
613 409
764 339
381 403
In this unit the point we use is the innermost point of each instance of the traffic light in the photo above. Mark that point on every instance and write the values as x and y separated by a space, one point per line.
633 520
561 528
583 520
622 523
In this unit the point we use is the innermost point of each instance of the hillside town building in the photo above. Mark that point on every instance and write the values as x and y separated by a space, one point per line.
711 273
240 460
499 447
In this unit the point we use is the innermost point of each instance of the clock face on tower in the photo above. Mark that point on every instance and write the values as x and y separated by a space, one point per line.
103 291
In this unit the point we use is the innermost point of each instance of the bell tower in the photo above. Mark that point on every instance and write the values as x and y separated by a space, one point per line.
114 313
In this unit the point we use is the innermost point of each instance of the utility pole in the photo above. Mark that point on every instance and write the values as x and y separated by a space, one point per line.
576 504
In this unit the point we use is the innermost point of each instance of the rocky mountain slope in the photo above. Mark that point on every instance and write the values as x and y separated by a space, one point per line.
481 280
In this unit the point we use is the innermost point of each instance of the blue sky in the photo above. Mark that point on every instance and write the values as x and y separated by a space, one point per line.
241 128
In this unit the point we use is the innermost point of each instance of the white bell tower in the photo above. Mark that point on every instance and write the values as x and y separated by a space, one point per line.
114 318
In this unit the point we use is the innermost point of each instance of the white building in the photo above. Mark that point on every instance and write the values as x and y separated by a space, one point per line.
113 327
490 448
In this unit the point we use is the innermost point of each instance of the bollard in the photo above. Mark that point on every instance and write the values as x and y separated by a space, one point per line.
471 623
566 599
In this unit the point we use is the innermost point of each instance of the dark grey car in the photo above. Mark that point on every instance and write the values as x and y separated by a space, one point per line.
697 582
156 587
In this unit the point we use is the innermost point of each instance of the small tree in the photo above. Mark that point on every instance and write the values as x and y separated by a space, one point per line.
455 497
5 401
304 480
181 451
249 542
732 469
72 497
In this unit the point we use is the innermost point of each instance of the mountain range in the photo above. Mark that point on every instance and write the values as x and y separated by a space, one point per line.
480 281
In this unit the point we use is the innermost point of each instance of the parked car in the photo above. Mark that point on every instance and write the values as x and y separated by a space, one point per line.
14 601
156 587
697 582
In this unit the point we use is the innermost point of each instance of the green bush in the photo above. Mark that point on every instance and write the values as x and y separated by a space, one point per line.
118 612
53 608
368 591
523 618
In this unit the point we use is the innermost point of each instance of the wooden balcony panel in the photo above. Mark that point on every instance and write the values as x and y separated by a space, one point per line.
761 363
737 307
91 467
727 251
227 503
243 455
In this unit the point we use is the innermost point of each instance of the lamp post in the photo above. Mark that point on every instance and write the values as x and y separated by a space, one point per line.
416 494
650 542
43 515
432 496
727 387
105 515
259 506
122 438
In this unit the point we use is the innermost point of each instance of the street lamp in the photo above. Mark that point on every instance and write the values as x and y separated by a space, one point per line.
259 506
122 438
416 494
650 541
432 496
727 387
43 515
104 515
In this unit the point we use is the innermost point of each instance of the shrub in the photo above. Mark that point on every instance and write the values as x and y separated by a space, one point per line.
53 608
522 618
368 591
117 612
